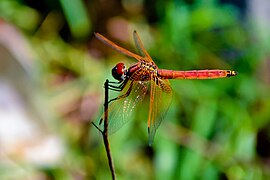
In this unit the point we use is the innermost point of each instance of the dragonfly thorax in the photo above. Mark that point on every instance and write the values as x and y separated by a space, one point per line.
119 72
149 67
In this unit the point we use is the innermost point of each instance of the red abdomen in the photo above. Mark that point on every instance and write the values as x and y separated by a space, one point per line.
195 74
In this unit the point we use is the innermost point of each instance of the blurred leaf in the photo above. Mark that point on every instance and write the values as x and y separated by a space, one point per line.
79 23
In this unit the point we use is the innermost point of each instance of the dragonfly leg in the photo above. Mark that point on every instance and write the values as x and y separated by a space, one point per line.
111 85
115 89
115 82
124 95
120 87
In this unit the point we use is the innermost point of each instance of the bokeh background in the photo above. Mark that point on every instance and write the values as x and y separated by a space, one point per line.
52 71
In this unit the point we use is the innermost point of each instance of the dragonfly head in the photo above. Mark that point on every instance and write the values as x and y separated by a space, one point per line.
119 71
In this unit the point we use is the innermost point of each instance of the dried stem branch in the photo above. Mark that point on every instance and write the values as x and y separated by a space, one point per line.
105 130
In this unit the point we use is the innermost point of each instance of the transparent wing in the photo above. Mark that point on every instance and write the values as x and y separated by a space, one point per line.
120 111
140 47
116 47
160 100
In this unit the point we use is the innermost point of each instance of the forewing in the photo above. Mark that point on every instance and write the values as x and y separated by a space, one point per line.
160 100
116 47
120 111
140 47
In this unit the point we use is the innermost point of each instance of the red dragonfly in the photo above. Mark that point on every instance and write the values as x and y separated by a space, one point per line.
142 76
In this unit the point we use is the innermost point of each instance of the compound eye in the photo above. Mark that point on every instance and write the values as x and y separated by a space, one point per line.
118 72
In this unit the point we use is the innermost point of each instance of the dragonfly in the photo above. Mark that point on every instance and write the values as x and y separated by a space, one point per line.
141 78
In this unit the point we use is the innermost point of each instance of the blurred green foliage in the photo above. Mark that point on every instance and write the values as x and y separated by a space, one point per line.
215 129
